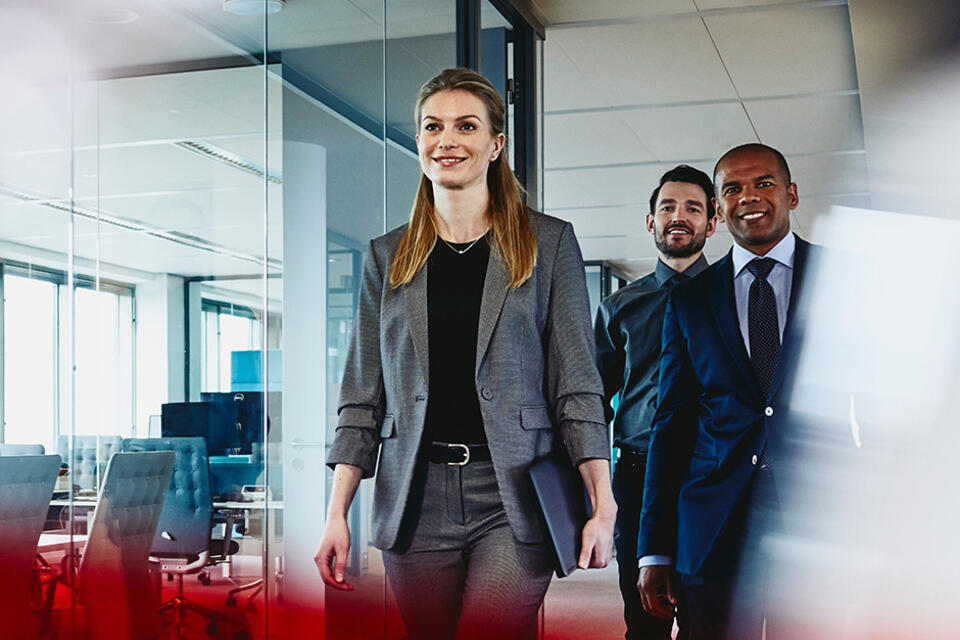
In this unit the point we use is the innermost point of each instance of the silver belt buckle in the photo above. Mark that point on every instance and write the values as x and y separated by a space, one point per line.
466 453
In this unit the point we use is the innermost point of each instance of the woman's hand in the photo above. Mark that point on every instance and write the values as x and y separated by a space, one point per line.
597 547
331 556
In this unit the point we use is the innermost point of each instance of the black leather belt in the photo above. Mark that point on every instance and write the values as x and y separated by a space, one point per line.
457 453
632 454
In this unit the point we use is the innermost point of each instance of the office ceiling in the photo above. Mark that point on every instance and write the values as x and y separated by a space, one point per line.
630 90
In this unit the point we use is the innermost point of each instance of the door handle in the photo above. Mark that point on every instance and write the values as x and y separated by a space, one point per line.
300 444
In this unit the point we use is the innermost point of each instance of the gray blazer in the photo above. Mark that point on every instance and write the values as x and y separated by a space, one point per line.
534 371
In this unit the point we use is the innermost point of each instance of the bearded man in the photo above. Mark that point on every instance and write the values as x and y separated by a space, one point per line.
628 334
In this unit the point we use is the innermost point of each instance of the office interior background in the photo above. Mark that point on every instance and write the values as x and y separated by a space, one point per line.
187 189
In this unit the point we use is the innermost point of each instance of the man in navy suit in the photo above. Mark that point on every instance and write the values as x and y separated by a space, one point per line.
709 497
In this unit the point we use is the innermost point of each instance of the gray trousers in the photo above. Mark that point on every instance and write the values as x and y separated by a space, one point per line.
458 571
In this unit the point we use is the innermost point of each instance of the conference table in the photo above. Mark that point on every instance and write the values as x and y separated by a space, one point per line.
51 542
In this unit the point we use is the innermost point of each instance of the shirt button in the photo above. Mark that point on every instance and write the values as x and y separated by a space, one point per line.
754 459
486 393
768 411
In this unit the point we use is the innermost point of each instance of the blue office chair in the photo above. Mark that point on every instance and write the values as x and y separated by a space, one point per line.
21 449
114 580
88 457
26 485
182 544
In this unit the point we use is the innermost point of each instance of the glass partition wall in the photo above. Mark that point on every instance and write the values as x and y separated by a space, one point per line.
187 191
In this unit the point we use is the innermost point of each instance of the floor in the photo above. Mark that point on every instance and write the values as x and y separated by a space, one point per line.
584 606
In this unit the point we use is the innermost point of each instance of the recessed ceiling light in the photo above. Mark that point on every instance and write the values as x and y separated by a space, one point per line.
104 14
253 7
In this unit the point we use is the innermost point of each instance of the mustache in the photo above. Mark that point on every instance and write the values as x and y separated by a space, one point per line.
677 225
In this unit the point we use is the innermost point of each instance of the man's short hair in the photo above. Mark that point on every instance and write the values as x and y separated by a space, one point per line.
686 173
754 147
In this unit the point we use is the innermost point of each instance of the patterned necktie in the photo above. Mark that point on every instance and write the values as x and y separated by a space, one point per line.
764 328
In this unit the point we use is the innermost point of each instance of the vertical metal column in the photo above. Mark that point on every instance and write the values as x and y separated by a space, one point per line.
468 34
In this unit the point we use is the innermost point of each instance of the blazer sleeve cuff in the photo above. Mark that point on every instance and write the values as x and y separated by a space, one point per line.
580 407
356 446
585 440
354 416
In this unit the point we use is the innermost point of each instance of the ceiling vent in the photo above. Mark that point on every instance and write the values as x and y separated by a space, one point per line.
223 156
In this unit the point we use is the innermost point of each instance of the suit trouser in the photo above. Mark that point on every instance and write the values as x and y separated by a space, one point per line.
628 476
458 572
728 599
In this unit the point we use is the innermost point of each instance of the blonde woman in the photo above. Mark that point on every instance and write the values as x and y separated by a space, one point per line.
471 355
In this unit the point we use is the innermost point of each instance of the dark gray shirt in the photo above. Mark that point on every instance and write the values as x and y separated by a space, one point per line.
628 332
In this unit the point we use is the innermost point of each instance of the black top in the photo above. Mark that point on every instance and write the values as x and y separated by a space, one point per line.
454 291
628 331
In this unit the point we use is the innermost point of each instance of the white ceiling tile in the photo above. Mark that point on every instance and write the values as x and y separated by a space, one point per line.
699 131
818 176
590 138
809 124
787 51
564 85
561 11
647 62
609 223
816 208
707 5
590 188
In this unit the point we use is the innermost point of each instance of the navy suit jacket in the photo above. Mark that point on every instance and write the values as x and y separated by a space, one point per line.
712 420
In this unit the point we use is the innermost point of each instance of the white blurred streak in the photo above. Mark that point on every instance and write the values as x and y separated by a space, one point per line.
869 487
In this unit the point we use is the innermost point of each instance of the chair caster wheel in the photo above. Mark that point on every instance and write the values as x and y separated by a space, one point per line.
204 578
231 601
212 629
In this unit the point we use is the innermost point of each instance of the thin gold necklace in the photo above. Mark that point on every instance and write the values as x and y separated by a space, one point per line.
461 251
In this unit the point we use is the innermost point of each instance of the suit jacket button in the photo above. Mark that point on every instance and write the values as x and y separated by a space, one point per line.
486 393
754 459
768 411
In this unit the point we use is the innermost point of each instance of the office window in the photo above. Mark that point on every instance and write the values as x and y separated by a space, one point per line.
225 328
104 385
30 361
37 358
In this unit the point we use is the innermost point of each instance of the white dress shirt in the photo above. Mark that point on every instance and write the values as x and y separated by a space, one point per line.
780 278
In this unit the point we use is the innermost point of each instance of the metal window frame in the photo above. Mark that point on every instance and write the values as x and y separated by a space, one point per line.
526 31
60 279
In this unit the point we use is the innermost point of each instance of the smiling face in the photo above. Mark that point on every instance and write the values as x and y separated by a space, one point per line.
455 141
679 223
755 199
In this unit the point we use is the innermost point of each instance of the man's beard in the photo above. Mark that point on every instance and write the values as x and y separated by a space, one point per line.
691 248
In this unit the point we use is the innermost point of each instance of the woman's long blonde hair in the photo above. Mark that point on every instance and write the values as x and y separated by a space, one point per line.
513 239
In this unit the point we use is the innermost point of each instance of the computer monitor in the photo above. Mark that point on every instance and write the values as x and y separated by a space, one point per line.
215 422
246 411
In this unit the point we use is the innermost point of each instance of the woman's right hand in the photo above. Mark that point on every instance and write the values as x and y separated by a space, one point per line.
331 556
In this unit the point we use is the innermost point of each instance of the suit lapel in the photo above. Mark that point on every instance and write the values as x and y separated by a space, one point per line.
724 305
415 298
494 293
796 284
